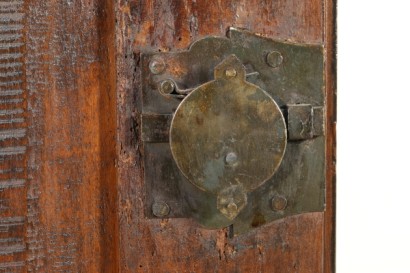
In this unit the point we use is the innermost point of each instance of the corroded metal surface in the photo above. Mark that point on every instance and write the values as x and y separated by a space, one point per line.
73 200
293 244
304 121
224 119
296 78
216 195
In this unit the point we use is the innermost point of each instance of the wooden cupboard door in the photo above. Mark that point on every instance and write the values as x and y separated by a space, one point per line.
72 192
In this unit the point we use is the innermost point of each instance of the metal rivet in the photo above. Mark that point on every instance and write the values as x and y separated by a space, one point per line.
167 87
157 66
231 158
160 209
230 72
278 203
232 207
274 59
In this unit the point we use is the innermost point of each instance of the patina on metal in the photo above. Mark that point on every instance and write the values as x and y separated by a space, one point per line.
304 121
167 87
279 203
157 66
274 59
160 209
231 200
228 118
200 163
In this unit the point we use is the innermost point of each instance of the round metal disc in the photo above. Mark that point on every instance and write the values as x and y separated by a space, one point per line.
228 132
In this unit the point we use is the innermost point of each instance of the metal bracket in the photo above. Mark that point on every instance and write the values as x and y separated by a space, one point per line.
291 74
304 121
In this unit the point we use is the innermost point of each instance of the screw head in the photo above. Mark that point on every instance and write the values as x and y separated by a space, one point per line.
232 208
274 59
278 203
231 158
157 66
160 209
230 72
230 201
167 87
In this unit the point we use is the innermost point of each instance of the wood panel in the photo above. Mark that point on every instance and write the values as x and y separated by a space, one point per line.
13 138
295 244
71 187
58 118
329 257
72 220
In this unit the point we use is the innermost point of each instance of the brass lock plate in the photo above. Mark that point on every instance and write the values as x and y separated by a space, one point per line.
228 136
178 185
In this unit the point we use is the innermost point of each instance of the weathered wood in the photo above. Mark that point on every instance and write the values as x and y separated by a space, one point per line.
58 202
71 187
177 245
13 138
329 246
72 223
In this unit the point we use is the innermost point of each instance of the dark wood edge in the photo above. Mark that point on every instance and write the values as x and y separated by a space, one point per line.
329 229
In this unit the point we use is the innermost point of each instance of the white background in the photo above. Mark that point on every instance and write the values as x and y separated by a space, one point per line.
373 186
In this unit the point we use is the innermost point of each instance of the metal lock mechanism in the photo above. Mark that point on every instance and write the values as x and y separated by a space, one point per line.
228 137
233 131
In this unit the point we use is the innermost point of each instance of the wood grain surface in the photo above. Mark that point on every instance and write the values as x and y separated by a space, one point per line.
59 202
179 245
71 172
13 138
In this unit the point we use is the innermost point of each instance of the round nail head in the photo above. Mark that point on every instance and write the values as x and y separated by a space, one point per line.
167 87
160 209
231 158
230 72
274 59
232 207
279 203
156 66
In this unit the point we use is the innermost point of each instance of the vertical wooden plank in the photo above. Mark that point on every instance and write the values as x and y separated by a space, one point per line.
179 245
57 137
13 137
329 258
60 126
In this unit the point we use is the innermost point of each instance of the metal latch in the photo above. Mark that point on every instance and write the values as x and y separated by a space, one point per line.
233 131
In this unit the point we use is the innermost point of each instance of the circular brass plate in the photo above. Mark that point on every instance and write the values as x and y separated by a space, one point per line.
228 132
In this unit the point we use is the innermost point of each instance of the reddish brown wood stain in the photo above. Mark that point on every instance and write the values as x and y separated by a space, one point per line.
293 245
168 25
183 247
68 205
75 201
